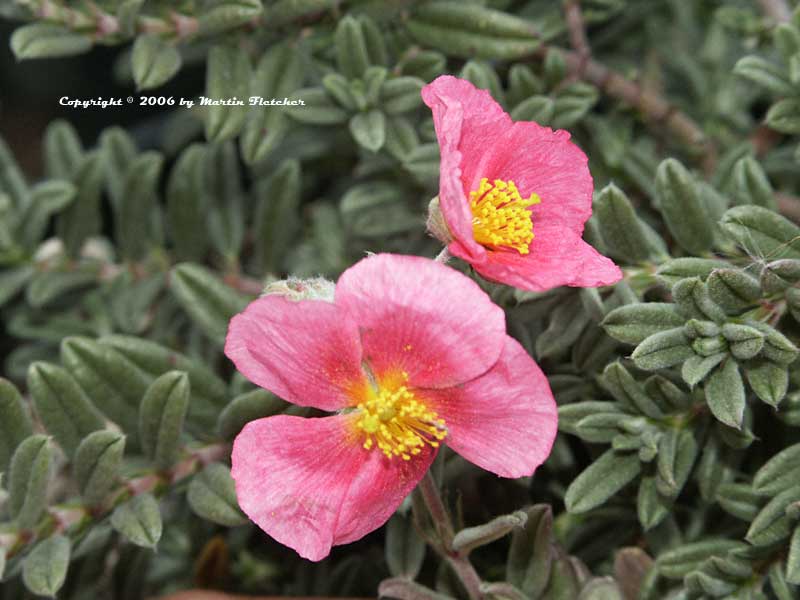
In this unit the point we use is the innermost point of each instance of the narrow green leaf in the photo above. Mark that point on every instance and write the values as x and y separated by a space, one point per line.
784 116
28 477
762 233
779 473
15 424
352 57
725 394
634 323
682 207
369 129
662 350
601 480
81 218
765 74
154 61
161 417
212 496
680 561
470 538
139 520
228 14
773 524
186 209
621 229
66 412
405 549
228 76
793 559
206 299
97 463
752 185
277 214
48 40
45 568
135 225
530 555
676 269
733 290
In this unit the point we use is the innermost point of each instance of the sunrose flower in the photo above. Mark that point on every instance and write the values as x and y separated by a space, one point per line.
514 195
409 355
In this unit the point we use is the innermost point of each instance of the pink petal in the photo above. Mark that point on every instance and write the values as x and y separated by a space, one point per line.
557 257
546 163
504 421
309 484
423 318
467 120
307 352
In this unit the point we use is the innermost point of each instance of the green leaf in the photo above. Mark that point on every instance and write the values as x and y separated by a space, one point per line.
739 500
536 108
752 185
696 368
97 463
680 561
620 383
405 549
13 280
401 94
733 290
212 496
28 477
65 411
677 453
49 287
377 209
725 394
119 151
601 588
683 209
186 207
47 199
676 269
161 417
762 233
154 61
15 424
247 407
621 229
784 116
793 559
315 108
206 299
111 380
470 30
777 347
45 568
369 129
228 14
769 381
773 524
352 57
662 350
693 300
48 40
470 538
651 507
634 323
139 520
779 473
530 555
278 74
81 219
228 76
134 225
601 480
779 275
765 74
569 415
12 180
745 342
277 215
156 360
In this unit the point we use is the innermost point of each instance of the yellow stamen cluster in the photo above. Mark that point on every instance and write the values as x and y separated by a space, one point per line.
501 218
398 423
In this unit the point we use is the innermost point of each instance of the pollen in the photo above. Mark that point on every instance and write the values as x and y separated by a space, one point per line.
397 423
500 216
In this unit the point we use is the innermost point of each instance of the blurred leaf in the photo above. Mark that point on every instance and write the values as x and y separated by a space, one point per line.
45 568
228 77
212 495
405 550
154 61
15 424
139 520
47 40
29 475
96 465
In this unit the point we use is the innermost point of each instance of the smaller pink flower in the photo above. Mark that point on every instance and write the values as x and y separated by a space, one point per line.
514 195
408 355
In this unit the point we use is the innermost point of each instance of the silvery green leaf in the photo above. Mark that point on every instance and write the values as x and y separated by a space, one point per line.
161 417
212 496
28 479
725 394
139 520
96 464
15 423
45 568
601 480
154 61
405 549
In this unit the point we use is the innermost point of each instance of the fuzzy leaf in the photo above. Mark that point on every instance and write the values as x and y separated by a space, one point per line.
634 323
762 233
662 350
96 464
601 480
212 496
773 524
779 473
28 478
154 61
139 520
45 568
405 550
530 555
725 394
15 424
683 209
161 417
247 407
228 76
46 40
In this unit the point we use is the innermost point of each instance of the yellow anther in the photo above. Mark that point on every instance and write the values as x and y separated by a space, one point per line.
398 423
500 215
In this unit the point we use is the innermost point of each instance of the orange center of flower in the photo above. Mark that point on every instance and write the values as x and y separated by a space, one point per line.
500 215
394 420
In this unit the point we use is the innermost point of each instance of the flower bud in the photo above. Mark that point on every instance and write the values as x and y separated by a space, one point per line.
296 289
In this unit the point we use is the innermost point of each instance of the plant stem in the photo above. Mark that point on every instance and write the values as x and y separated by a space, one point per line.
577 30
441 520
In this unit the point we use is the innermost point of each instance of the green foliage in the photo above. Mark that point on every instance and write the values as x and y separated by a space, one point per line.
675 473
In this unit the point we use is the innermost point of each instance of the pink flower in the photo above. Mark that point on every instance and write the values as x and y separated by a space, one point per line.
514 195
409 354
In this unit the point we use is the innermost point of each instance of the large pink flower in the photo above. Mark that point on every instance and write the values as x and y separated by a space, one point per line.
409 354
514 195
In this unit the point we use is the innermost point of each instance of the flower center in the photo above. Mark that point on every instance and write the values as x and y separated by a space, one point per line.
398 423
500 216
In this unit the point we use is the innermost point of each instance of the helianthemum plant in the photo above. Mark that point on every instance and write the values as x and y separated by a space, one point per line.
410 354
